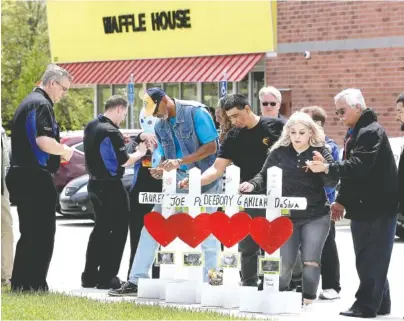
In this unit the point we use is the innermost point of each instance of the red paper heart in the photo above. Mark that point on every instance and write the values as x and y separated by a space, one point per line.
270 236
192 231
160 229
230 230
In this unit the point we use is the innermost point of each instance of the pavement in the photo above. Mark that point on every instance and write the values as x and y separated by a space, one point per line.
69 258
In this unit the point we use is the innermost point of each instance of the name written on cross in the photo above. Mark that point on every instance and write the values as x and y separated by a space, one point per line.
215 200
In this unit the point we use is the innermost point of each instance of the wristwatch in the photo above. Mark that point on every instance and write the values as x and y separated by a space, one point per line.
179 160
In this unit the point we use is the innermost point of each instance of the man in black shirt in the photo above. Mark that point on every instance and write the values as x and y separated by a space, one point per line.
105 157
246 146
35 157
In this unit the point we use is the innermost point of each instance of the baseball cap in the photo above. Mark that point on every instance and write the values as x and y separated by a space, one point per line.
151 100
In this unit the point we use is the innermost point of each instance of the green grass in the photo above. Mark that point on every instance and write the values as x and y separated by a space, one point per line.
56 306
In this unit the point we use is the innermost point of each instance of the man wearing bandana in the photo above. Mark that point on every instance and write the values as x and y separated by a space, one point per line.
187 138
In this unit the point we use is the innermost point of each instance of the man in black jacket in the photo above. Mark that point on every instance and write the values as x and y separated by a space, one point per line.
36 154
368 194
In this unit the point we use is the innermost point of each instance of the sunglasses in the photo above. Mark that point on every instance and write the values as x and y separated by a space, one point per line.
266 103
340 112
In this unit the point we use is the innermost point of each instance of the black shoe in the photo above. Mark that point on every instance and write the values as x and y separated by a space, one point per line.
355 313
128 289
380 312
87 281
115 283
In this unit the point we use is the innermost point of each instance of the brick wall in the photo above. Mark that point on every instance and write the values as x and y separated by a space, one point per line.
379 73
300 21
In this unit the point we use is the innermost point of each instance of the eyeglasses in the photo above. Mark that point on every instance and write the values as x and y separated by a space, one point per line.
65 89
266 103
340 112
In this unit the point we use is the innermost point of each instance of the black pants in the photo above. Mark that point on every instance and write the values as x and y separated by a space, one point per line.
373 243
108 238
144 183
249 253
34 193
330 271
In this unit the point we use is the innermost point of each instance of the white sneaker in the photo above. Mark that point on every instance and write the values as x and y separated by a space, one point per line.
307 308
329 294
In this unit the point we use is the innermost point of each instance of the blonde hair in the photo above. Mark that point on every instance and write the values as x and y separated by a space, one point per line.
317 138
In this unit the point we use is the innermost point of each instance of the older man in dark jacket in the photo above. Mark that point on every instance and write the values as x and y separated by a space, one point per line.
368 193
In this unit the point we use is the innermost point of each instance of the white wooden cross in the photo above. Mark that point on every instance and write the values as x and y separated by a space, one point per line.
232 201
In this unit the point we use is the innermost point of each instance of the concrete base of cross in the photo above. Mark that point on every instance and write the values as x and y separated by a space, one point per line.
247 299
171 291
270 302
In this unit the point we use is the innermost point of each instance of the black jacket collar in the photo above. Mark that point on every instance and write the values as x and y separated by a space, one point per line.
43 92
368 116
104 119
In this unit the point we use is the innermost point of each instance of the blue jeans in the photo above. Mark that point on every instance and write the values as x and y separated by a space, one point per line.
148 247
373 243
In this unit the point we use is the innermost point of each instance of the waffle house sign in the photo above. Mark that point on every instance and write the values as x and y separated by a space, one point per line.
115 30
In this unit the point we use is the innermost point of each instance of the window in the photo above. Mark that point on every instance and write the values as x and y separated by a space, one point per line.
151 85
189 91
123 90
172 90
120 90
210 93
243 86
104 92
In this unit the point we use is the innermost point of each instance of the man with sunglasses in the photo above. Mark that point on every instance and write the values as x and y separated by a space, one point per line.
369 195
187 138
270 101
36 154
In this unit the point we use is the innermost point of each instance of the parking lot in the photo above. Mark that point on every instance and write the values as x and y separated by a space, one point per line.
71 242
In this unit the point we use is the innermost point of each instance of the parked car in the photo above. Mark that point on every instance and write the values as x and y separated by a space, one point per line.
75 167
74 200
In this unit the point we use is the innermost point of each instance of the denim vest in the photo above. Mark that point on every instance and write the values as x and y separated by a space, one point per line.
184 130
